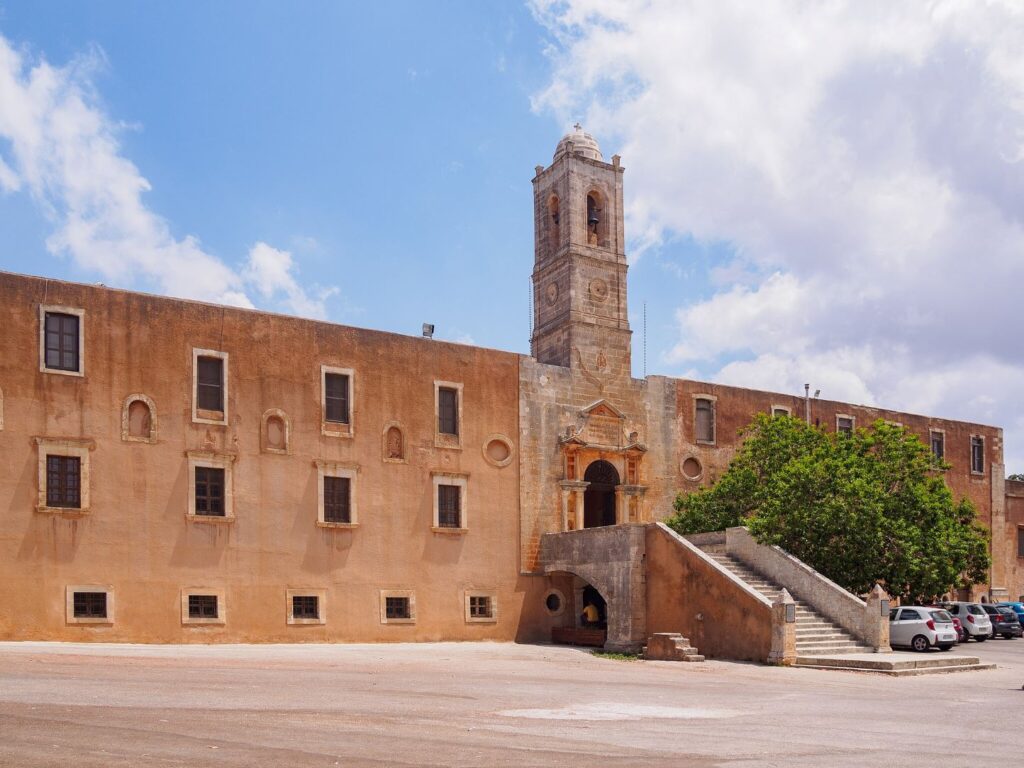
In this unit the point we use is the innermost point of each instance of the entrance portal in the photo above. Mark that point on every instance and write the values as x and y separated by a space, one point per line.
599 498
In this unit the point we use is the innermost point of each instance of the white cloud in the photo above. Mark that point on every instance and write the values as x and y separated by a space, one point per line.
59 145
270 272
865 162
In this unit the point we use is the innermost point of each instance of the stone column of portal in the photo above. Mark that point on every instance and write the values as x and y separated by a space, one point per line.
999 583
621 513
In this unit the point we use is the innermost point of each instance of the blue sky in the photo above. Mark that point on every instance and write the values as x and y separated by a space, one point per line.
814 193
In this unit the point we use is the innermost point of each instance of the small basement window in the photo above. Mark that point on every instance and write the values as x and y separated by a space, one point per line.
307 606
397 606
202 606
481 607
88 604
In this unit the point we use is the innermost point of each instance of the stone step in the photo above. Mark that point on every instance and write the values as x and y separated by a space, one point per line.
828 645
821 634
894 664
855 649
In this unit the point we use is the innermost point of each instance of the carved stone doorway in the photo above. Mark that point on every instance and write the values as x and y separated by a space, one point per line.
599 498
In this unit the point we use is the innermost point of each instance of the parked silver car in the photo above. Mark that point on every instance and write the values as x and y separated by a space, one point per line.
973 617
920 628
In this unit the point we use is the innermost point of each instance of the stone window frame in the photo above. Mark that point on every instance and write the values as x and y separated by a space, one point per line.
561 602
126 435
200 416
388 426
498 437
713 399
970 456
69 604
441 439
337 469
1020 542
265 447
78 312
337 428
211 460
321 605
221 618
682 463
410 594
853 422
492 595
64 446
777 407
460 479
937 431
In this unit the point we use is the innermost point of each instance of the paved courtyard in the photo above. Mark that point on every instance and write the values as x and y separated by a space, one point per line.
479 704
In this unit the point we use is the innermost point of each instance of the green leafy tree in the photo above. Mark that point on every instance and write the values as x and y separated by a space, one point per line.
862 508
1016 476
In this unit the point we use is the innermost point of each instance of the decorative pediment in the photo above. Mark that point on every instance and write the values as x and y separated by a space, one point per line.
602 408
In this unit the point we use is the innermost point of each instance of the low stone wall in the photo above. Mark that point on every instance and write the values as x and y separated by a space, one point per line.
706 539
866 621
689 593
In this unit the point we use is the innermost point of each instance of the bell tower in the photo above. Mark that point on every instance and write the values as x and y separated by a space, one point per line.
579 272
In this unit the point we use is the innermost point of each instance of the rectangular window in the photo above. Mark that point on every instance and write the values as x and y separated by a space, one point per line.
844 425
705 420
449 507
1020 542
209 491
64 482
210 383
938 443
447 411
337 500
397 608
305 607
61 341
780 411
480 607
977 455
336 406
90 605
202 606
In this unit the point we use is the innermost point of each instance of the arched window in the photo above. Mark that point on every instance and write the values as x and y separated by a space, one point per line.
597 227
275 432
138 419
554 223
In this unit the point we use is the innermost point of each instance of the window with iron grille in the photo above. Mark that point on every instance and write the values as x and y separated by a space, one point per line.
90 605
844 425
210 383
210 491
305 607
397 608
705 427
337 500
447 411
64 481
61 341
336 405
480 607
202 606
449 507
977 455
938 442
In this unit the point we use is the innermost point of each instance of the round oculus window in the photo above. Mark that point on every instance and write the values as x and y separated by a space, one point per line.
692 468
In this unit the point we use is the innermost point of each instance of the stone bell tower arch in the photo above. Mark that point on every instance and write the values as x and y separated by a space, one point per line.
579 274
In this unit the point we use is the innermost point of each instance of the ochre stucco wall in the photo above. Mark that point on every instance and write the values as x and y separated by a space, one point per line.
686 595
136 537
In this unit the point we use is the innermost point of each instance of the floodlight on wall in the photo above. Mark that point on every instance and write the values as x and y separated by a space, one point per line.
428 331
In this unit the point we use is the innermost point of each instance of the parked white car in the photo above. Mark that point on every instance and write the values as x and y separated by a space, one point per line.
921 628
974 619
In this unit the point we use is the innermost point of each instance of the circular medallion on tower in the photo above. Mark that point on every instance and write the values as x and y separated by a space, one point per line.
552 293
598 289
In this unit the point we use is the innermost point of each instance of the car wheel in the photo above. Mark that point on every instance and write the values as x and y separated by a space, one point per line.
980 638
920 643
945 646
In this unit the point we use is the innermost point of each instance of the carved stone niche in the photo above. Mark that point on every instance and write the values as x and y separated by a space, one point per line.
393 448
275 432
138 419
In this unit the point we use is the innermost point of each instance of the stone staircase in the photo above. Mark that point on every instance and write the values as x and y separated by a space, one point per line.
815 634
670 646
